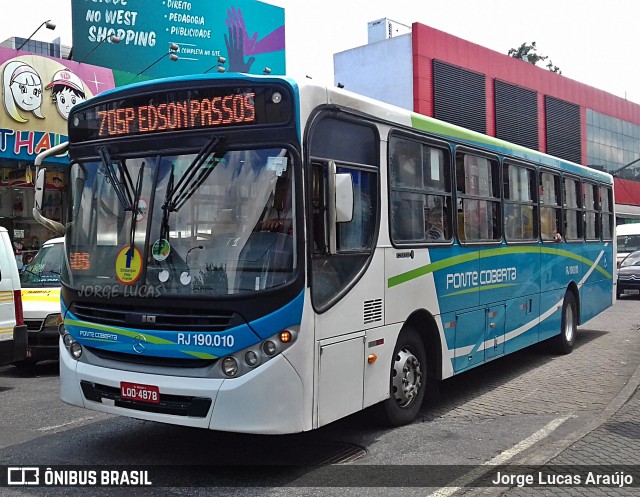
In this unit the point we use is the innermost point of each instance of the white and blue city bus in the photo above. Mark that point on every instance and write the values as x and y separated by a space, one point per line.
255 254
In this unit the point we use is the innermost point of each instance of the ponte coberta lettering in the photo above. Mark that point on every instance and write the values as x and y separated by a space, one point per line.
470 279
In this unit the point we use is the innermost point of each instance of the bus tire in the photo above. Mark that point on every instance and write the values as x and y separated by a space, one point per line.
563 343
407 381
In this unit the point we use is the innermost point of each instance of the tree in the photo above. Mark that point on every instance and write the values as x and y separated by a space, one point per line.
529 53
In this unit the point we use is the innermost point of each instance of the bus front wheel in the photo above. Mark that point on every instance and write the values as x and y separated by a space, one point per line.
564 342
407 381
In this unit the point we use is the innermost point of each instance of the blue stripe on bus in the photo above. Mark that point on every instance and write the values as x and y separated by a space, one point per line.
183 344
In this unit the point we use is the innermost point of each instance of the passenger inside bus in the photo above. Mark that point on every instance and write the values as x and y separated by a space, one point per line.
435 229
277 214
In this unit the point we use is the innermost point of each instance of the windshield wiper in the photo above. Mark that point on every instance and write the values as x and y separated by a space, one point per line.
135 210
183 190
164 228
122 192
176 196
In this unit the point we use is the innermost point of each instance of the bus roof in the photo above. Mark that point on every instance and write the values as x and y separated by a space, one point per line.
380 111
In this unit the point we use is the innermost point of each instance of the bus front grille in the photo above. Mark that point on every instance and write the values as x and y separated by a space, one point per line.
148 360
176 405
188 319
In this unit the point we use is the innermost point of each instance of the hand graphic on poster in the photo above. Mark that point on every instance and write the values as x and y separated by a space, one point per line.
235 19
240 44
235 51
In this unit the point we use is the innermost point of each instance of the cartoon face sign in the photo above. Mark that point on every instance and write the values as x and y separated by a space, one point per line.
66 99
22 90
67 90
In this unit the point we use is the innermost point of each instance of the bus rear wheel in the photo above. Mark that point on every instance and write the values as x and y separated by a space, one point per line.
407 381
564 342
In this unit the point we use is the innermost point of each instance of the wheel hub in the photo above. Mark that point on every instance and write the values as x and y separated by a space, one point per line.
407 377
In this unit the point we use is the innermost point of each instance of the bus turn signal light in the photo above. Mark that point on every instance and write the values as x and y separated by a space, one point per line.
372 358
285 336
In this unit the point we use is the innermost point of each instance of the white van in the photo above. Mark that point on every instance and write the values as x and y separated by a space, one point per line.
627 240
40 281
13 332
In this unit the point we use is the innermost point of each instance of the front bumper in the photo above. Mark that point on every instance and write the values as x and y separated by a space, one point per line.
628 286
43 344
268 400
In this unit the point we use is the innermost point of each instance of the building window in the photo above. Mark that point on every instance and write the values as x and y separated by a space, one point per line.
612 143
563 129
459 96
516 114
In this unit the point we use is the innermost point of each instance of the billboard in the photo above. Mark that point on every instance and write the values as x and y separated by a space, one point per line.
37 95
248 34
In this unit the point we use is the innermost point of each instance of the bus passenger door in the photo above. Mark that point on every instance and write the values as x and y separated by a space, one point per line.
346 285
494 338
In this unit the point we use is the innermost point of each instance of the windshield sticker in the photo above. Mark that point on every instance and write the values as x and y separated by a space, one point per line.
161 249
185 278
143 207
163 275
277 164
128 265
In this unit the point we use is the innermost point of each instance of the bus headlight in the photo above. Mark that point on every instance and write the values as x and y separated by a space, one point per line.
251 358
76 350
230 366
67 340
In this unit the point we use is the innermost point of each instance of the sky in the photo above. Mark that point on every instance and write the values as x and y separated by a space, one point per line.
593 42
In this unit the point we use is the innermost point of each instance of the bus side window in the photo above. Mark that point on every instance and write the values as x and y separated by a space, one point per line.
550 208
478 198
520 203
420 199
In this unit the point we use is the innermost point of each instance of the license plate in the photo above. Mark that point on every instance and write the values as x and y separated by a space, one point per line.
631 292
139 392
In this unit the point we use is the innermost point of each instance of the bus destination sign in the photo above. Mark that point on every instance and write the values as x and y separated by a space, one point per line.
236 108
180 110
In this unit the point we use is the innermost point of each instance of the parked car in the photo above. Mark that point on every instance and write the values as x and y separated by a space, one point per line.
13 332
627 240
40 281
629 275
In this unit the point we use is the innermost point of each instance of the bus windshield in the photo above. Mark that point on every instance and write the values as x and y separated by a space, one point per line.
211 222
44 269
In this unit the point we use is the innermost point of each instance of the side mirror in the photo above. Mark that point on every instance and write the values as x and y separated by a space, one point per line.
38 202
344 197
38 199
340 205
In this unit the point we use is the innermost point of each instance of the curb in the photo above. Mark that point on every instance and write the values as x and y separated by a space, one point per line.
545 453
555 448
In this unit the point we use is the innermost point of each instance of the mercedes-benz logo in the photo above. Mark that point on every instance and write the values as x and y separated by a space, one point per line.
139 343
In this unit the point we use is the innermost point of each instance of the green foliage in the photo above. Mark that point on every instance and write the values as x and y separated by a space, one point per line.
529 53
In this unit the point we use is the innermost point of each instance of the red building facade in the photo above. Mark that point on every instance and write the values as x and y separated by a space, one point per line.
506 95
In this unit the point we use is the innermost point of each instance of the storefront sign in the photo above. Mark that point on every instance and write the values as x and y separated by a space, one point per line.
37 94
